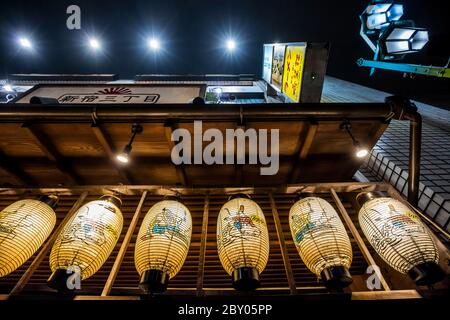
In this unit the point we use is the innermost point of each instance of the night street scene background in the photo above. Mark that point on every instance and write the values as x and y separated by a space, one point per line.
192 33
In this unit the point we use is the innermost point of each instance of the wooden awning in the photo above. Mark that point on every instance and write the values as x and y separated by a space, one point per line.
64 145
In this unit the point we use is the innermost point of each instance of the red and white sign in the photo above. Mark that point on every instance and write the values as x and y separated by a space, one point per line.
131 94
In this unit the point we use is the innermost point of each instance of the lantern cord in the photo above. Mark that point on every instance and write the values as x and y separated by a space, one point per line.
346 125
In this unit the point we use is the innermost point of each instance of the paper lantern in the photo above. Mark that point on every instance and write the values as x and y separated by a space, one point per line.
24 226
322 241
400 238
86 241
162 244
242 241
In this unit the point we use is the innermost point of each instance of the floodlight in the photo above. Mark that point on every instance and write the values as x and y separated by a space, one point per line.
378 15
401 38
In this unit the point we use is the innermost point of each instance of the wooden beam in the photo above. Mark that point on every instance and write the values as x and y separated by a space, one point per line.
284 254
14 170
377 132
165 190
106 144
46 247
108 298
181 172
51 153
303 152
386 295
201 259
359 240
123 247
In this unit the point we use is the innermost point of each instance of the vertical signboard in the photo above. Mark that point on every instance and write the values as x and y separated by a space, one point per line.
277 66
267 62
293 71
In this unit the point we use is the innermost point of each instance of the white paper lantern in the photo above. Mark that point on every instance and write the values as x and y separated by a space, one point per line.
322 241
24 226
400 238
162 244
242 241
86 241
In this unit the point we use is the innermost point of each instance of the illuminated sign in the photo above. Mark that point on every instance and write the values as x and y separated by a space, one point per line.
293 71
111 94
267 62
277 66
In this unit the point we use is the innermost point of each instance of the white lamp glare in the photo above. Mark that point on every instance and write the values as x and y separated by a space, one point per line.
122 157
94 43
361 152
231 44
8 88
154 44
25 43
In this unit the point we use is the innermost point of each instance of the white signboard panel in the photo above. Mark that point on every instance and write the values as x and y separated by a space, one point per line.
267 63
110 94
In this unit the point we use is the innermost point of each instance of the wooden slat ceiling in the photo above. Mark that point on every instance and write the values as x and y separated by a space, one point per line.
274 276
79 154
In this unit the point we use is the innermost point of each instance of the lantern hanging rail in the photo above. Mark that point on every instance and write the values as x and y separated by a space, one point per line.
359 240
123 247
281 239
203 241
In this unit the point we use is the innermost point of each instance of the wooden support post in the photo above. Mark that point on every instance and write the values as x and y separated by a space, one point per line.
204 235
359 240
46 248
10 166
169 127
52 153
123 248
303 151
284 254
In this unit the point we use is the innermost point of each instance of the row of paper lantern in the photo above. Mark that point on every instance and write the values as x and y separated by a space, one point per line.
87 240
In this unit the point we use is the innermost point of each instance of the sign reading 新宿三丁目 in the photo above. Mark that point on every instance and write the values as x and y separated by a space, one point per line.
123 94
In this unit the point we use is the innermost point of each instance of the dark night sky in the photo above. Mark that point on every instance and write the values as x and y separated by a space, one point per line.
192 33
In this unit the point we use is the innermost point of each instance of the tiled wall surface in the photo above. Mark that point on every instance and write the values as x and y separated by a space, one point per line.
388 161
